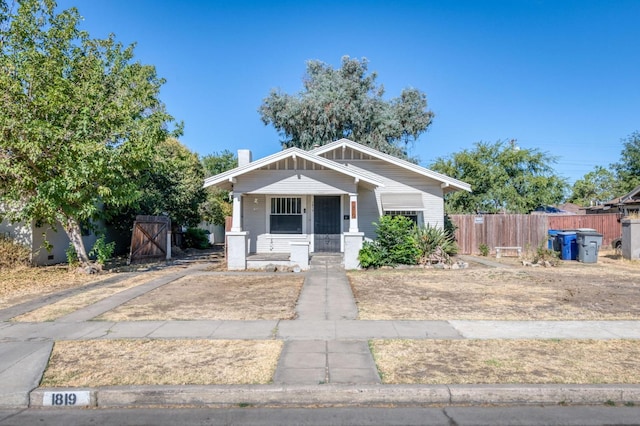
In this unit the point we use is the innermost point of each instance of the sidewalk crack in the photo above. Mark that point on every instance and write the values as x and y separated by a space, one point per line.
451 421
274 331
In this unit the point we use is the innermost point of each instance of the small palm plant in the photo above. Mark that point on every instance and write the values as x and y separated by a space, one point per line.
434 244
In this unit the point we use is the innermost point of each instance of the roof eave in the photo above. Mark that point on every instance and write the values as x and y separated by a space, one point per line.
452 184
228 177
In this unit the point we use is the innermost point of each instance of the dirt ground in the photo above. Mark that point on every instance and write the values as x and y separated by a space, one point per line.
53 311
162 362
216 297
607 290
25 283
507 361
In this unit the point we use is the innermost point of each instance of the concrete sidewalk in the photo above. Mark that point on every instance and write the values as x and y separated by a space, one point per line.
325 360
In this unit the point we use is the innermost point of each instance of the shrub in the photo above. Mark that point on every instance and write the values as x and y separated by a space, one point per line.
450 228
13 254
72 256
484 249
434 244
395 244
371 255
543 254
102 251
196 238
397 240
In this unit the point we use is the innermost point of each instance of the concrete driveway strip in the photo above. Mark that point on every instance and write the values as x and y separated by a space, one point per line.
120 298
14 311
21 368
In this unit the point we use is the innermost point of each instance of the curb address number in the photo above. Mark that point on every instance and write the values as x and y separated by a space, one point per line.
66 399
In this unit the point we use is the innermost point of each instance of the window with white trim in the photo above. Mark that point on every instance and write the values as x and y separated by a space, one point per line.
286 215
411 214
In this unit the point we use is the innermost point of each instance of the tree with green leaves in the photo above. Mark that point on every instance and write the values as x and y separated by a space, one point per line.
79 119
596 186
217 205
346 103
503 177
219 162
171 185
628 168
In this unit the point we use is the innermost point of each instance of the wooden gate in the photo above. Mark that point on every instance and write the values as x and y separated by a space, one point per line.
149 239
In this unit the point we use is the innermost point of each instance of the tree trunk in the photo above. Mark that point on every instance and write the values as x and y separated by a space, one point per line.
74 232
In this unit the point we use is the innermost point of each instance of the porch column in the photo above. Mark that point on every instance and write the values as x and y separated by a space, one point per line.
236 223
353 213
352 245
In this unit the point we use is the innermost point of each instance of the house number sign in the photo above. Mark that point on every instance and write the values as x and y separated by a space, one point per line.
66 399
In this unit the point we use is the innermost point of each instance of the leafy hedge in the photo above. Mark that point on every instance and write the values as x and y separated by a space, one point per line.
400 242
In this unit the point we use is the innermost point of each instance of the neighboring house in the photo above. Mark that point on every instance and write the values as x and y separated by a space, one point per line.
295 202
34 236
626 205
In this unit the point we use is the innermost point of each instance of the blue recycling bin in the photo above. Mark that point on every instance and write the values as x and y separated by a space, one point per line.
553 243
568 245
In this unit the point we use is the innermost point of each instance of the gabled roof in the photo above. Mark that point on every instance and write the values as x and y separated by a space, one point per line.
226 178
446 181
631 197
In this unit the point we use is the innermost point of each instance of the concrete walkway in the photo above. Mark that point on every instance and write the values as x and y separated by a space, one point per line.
325 300
325 345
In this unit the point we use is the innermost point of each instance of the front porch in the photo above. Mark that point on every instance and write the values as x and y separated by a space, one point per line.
239 257
264 260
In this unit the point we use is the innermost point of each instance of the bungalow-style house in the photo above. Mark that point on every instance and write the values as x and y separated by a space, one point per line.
626 205
296 202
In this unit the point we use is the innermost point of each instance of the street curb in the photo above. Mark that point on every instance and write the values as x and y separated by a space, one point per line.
346 395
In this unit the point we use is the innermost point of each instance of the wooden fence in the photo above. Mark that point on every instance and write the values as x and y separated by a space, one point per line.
526 231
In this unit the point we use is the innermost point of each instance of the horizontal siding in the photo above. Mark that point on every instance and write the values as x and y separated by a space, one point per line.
254 218
368 212
269 243
398 180
295 182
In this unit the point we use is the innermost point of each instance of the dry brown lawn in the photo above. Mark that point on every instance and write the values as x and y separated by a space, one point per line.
70 304
25 283
507 361
608 290
216 297
163 362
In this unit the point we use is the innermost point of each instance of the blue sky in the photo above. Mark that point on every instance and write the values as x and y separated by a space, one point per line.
560 76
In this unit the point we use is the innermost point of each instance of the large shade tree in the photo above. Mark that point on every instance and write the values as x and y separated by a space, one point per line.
217 205
346 102
171 185
504 178
598 185
628 168
79 118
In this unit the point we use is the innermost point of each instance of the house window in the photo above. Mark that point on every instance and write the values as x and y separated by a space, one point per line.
286 215
411 214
